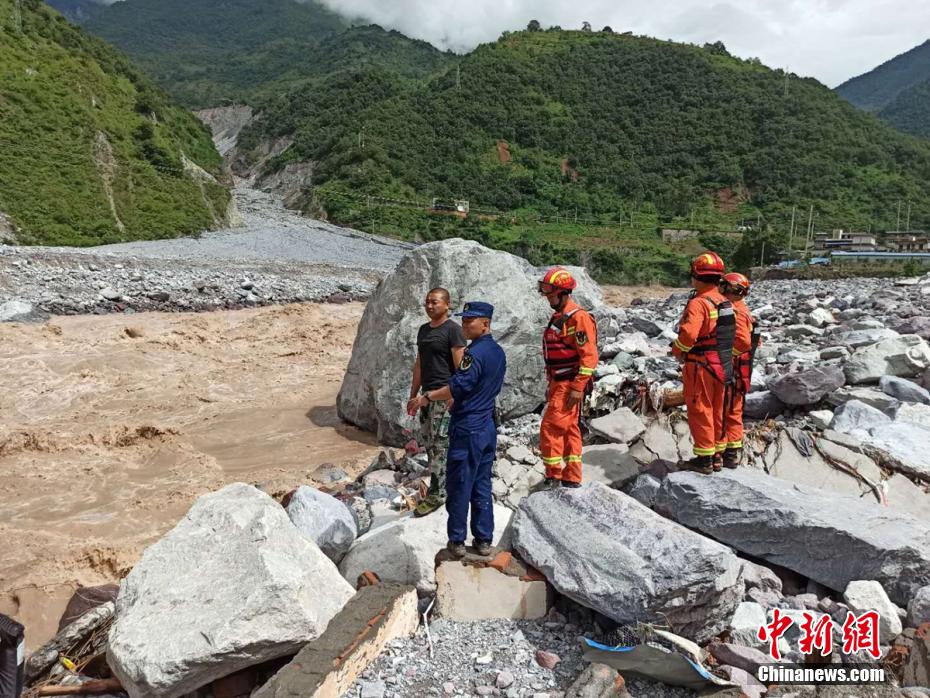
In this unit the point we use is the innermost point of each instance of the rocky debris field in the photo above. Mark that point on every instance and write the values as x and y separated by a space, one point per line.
275 257
661 575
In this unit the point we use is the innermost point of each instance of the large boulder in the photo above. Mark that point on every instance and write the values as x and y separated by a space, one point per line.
902 446
607 551
831 538
404 550
904 356
232 585
377 382
904 390
762 405
323 519
857 418
808 387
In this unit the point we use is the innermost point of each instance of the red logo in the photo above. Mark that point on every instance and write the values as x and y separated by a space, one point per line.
771 632
861 633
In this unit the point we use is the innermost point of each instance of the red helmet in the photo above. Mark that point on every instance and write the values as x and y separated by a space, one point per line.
707 264
736 283
558 278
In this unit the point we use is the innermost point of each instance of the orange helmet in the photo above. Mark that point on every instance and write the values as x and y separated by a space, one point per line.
557 278
736 283
707 264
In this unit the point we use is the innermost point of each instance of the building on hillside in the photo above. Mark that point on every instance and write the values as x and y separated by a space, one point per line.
845 240
843 257
910 241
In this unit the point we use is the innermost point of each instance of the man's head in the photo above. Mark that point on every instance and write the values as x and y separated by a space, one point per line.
476 319
734 286
556 285
437 303
706 271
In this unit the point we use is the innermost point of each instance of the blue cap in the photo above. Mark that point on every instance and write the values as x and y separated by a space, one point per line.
477 309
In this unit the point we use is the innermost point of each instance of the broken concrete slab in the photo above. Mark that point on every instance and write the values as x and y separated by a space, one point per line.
620 426
328 666
182 619
466 592
403 551
610 464
777 521
607 551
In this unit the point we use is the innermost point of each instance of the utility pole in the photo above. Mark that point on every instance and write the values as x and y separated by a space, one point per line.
907 225
791 234
897 227
810 229
458 77
762 256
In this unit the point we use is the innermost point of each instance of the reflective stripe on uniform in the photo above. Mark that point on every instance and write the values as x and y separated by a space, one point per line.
721 447
585 371
704 451
572 459
735 444
683 347
552 460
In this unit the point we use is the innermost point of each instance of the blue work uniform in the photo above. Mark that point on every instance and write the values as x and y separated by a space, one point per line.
473 439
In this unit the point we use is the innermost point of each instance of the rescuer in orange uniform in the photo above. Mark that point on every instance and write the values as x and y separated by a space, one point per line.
735 287
705 346
570 352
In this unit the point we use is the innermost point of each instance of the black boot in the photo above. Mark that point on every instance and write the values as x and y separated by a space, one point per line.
699 464
732 457
717 462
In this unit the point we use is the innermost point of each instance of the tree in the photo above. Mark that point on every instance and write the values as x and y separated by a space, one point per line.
533 26
717 48
585 26
607 30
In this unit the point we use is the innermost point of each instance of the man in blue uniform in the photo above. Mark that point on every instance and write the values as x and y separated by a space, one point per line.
472 433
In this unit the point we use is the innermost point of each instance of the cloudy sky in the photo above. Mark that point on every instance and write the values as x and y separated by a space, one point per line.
831 40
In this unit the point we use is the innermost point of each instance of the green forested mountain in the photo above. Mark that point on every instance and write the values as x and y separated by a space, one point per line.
909 111
206 52
612 127
77 11
90 150
879 87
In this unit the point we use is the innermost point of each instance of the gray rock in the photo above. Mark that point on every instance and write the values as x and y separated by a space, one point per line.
745 658
745 623
904 356
644 489
821 418
869 396
648 327
797 331
323 519
914 413
862 338
13 310
857 418
620 426
109 294
830 538
903 495
868 595
834 353
919 325
608 552
404 550
904 390
762 405
918 608
610 464
232 585
821 317
784 460
376 383
902 446
808 387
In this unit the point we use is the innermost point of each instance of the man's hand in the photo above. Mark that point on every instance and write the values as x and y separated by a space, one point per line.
574 397
413 404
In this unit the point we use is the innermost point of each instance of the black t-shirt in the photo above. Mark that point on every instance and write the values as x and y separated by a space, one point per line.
435 345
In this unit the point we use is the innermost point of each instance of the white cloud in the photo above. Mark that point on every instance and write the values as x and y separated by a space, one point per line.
831 40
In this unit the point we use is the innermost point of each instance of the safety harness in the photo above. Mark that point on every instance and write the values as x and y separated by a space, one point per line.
743 363
709 349
562 359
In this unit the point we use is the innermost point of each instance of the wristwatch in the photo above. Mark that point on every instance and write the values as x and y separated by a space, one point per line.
426 395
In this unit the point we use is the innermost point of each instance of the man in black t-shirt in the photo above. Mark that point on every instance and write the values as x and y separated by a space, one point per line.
440 347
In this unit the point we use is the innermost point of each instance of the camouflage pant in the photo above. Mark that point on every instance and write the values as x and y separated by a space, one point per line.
434 435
